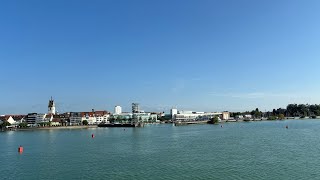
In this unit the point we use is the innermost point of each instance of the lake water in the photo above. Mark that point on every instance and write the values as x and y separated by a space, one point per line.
253 150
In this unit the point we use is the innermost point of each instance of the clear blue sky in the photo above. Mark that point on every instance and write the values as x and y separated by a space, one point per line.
197 55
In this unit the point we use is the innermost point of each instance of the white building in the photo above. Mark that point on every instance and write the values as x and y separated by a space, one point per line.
117 110
173 112
8 119
40 118
225 115
75 118
101 116
248 116
48 118
195 116
51 107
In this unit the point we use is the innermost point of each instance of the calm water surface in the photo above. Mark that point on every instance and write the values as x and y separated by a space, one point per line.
254 150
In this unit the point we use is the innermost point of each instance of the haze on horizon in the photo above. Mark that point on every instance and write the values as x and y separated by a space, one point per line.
196 55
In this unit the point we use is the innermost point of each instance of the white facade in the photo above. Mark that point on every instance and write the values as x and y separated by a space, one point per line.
91 119
75 118
249 116
51 107
195 116
52 110
102 119
40 118
117 110
225 115
9 119
173 112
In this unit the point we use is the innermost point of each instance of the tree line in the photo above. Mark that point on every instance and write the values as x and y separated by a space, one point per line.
292 110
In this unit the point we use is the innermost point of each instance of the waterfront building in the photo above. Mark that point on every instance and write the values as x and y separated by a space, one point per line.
88 116
135 108
239 117
225 115
93 117
19 118
40 118
123 117
145 117
101 116
248 116
195 116
61 118
117 110
51 107
48 118
55 122
75 118
173 112
137 117
185 117
7 118
31 118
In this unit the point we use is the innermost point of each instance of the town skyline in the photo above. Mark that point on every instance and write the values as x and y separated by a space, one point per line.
202 56
143 108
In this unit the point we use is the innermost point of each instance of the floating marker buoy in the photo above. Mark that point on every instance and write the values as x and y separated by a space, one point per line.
20 149
92 135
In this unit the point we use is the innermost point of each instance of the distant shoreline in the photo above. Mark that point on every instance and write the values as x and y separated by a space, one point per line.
183 123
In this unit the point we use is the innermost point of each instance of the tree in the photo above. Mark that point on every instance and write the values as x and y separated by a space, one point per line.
281 116
23 125
4 124
303 109
272 118
119 119
274 112
112 119
85 122
214 120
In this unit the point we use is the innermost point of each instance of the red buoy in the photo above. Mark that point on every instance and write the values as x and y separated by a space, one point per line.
20 149
92 135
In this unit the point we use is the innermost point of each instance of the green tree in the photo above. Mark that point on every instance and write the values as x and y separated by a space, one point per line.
119 119
4 124
85 122
272 118
214 120
281 116
112 119
23 125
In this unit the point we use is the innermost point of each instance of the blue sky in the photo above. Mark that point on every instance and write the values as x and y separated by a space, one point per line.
196 55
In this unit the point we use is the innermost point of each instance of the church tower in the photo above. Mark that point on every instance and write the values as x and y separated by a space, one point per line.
51 107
